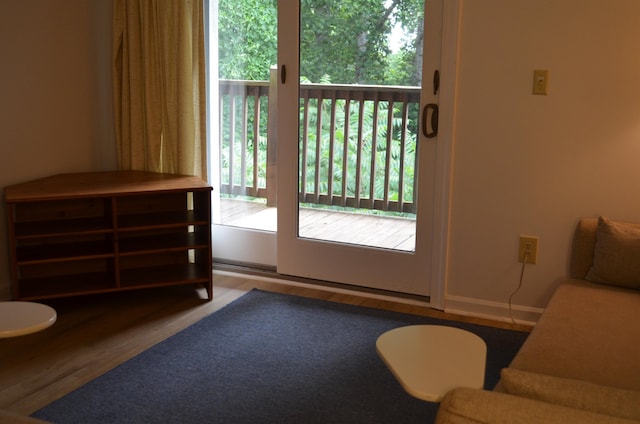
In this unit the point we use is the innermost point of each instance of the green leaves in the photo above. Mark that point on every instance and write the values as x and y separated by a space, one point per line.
367 152
341 42
346 41
247 38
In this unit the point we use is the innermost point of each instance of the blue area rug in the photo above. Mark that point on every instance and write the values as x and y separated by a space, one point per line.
268 358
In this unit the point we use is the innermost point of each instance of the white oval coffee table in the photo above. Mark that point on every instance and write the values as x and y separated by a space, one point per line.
20 318
430 360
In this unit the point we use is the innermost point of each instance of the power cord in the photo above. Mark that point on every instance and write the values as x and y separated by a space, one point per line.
524 263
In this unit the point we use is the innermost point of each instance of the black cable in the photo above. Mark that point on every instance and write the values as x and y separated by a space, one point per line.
524 263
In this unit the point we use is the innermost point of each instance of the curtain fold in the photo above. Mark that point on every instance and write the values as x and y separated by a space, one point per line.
159 85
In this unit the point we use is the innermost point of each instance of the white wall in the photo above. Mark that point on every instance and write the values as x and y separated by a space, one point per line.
526 164
55 107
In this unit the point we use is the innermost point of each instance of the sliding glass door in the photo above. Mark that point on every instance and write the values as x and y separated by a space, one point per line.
324 137
242 57
357 120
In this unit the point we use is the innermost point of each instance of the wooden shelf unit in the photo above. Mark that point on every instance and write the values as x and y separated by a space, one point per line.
78 234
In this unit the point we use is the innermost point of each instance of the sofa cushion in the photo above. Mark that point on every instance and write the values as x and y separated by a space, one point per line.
572 393
616 257
473 406
590 332
582 247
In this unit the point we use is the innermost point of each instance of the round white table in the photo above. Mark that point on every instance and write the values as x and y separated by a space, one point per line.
430 360
20 318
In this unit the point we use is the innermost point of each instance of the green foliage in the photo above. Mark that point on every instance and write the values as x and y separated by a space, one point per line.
346 40
247 38
238 142
368 148
341 42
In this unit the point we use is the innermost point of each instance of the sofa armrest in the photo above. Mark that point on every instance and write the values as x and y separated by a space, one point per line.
474 406
583 246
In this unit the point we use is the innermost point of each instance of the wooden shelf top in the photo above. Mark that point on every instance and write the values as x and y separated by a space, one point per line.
91 184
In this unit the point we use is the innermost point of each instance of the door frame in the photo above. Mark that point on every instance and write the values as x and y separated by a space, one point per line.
244 250
444 154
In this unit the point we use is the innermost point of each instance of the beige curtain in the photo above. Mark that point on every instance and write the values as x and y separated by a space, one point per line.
159 85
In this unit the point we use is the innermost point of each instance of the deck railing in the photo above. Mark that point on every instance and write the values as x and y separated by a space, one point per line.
357 143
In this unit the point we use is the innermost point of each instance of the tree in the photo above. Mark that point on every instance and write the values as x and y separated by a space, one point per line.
344 42
247 38
341 42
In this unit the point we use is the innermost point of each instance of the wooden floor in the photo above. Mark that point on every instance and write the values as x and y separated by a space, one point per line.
369 230
94 334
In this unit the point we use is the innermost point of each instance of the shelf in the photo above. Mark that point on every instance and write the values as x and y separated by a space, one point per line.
164 275
62 228
92 283
76 234
62 286
155 220
63 252
162 242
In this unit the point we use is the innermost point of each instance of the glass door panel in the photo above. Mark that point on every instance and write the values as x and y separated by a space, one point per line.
360 77
247 52
242 53
356 173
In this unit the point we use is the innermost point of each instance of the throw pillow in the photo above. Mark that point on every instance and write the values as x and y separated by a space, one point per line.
572 393
616 257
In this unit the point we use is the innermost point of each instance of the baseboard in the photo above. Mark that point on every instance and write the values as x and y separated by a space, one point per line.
272 277
492 310
457 305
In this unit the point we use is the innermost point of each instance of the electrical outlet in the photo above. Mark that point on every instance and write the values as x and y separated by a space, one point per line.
540 81
528 247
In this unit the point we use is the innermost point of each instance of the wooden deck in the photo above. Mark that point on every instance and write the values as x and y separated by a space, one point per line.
369 230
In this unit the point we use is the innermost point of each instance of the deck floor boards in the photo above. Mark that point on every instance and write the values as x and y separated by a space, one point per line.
343 227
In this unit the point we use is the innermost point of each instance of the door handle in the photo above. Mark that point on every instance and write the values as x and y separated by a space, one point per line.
283 74
433 107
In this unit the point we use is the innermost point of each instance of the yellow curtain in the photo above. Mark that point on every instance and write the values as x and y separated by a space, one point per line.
159 85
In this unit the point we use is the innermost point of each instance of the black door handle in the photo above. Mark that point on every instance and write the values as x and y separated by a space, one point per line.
433 107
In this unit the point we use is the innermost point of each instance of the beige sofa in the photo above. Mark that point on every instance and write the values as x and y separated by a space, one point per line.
581 363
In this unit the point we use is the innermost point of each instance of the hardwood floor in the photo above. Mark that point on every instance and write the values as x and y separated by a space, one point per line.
94 334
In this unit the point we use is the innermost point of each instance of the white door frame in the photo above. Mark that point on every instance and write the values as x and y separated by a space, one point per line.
298 258
444 153
260 248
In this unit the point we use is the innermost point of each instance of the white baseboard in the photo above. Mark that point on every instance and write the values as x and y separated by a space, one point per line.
337 288
491 310
453 304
